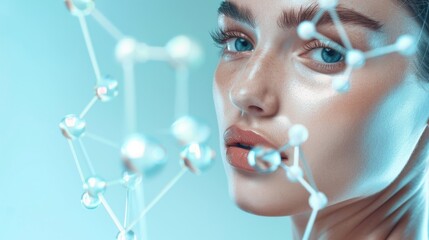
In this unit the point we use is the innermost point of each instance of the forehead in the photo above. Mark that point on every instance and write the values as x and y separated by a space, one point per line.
267 8
389 13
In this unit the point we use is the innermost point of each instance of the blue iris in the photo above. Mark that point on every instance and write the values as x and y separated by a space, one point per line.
331 56
242 45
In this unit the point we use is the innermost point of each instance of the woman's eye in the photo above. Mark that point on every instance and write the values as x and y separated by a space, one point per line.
238 45
327 55
324 58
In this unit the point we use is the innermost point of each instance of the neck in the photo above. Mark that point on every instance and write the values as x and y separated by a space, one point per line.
398 212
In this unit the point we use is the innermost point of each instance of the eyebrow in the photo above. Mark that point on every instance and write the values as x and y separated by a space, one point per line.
292 18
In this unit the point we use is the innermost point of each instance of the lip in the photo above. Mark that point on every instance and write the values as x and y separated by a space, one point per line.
238 143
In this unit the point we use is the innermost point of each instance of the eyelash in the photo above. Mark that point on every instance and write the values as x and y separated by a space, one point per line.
221 37
326 68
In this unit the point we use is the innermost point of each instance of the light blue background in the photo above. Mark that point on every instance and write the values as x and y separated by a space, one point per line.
45 73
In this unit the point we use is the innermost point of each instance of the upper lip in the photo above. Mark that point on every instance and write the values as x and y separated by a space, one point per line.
237 137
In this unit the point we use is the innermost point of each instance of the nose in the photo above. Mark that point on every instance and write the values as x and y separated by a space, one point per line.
254 91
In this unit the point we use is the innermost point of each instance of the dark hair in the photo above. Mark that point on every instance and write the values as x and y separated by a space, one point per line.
419 9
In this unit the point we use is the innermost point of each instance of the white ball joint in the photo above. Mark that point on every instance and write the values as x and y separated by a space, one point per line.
72 126
126 50
355 58
183 51
294 173
298 134
328 4
188 130
93 187
143 155
306 30
406 45
80 7
318 201
123 235
107 89
197 157
264 160
341 84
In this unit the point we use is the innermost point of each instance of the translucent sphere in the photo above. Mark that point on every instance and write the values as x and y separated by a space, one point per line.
328 4
355 58
107 89
264 160
306 30
341 84
406 45
184 51
188 130
90 202
131 180
72 127
80 7
94 186
126 235
318 201
197 157
126 49
294 173
298 134
143 154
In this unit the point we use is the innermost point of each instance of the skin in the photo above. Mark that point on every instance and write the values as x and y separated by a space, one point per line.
361 143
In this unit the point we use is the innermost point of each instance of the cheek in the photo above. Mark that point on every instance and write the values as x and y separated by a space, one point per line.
221 88
392 132
361 139
219 96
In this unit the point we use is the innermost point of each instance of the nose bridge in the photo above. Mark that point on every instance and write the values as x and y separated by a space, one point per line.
254 89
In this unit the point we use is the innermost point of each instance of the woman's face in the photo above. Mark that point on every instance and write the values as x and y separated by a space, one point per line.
269 79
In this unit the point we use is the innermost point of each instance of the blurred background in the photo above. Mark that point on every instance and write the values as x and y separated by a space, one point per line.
45 74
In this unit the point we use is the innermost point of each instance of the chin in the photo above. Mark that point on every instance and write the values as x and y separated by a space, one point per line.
259 209
267 195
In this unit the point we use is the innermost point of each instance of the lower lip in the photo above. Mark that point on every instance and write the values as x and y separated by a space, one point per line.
237 157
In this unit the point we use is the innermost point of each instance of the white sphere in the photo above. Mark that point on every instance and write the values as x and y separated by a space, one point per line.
298 134
197 157
126 49
306 30
94 186
328 4
80 7
143 154
90 202
318 201
264 160
188 130
130 235
341 84
131 180
294 173
183 51
72 126
355 58
107 89
406 45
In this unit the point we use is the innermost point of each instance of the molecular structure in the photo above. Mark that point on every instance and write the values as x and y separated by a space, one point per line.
141 155
267 160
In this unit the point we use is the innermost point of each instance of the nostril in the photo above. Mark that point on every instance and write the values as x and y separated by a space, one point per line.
255 109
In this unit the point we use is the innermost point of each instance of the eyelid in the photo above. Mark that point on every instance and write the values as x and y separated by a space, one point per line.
317 66
223 36
316 43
